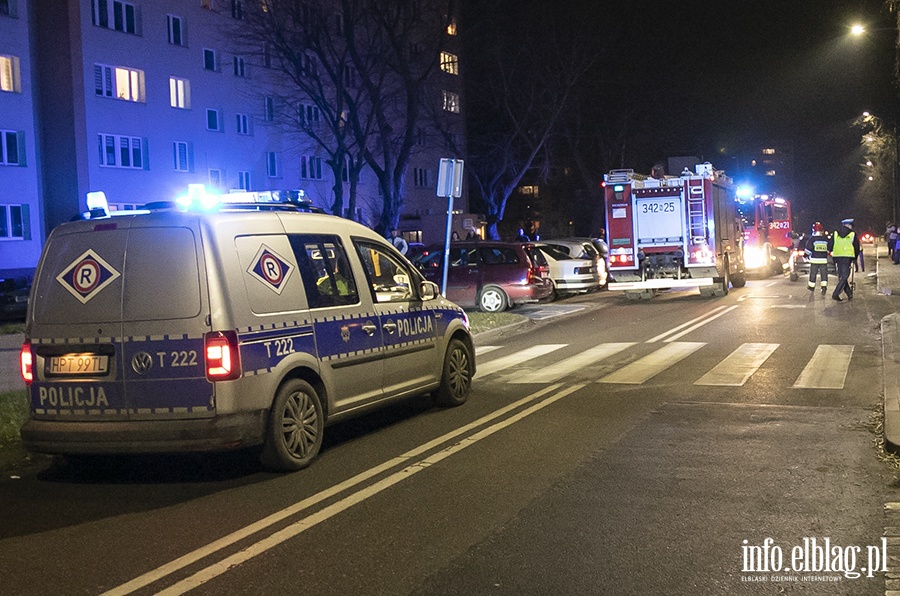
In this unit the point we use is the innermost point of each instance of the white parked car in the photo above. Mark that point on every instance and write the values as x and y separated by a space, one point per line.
581 248
570 275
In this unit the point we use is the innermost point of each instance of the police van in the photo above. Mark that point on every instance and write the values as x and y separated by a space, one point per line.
214 325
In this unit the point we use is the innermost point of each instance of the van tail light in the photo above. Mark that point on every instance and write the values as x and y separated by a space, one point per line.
223 358
26 359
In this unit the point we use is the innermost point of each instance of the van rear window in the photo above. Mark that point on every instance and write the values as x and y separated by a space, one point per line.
141 274
162 278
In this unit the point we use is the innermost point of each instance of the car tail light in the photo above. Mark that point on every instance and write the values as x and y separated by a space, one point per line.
26 359
534 275
223 358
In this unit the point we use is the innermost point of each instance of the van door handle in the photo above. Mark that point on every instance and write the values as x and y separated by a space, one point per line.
369 328
390 327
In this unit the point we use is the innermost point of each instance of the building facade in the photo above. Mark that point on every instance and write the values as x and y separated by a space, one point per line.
141 98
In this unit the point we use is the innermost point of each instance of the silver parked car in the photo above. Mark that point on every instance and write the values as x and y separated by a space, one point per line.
581 248
569 275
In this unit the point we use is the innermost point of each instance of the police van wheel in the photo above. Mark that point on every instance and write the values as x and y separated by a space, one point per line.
492 299
296 423
738 280
456 379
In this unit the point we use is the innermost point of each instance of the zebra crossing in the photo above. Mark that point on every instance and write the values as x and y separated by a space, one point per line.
826 369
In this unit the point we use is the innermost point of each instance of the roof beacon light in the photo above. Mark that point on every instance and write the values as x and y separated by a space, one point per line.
97 200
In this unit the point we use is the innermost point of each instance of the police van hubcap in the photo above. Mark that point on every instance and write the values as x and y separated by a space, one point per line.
300 424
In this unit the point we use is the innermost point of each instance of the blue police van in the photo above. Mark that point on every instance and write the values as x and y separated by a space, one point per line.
219 325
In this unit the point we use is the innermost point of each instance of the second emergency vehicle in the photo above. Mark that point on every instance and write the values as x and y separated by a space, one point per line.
673 231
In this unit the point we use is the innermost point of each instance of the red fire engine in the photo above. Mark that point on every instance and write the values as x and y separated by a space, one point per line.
674 231
767 233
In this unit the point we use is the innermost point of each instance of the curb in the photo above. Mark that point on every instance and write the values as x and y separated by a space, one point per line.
890 341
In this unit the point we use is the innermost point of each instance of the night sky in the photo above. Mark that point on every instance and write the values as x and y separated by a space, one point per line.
741 73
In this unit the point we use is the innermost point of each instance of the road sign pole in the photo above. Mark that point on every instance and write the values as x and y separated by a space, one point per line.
449 190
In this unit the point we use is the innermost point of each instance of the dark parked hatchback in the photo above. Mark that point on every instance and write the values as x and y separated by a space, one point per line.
493 276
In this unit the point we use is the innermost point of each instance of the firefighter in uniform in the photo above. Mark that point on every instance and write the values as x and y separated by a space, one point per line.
844 250
817 253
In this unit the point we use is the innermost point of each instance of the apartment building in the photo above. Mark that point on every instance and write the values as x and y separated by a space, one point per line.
21 214
140 98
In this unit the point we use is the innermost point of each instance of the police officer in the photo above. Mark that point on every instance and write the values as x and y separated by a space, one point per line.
817 253
844 250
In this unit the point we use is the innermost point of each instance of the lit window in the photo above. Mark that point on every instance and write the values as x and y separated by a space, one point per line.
451 102
117 151
11 148
119 82
9 74
770 172
451 26
449 63
179 93
768 152
181 153
176 30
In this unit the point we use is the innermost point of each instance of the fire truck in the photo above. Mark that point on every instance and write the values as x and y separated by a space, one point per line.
767 233
673 232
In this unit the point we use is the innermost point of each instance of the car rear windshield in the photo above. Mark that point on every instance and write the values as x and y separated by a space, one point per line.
556 255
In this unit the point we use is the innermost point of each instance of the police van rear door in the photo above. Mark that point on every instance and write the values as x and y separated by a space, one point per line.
164 320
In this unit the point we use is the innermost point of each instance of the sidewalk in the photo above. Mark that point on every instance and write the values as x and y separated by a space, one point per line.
888 283
10 345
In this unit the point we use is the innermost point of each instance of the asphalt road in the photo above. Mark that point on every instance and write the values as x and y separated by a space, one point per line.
626 448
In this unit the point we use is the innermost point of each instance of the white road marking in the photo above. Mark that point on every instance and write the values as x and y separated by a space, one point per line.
652 364
683 325
513 359
479 350
558 370
702 323
295 529
738 366
226 541
788 306
827 369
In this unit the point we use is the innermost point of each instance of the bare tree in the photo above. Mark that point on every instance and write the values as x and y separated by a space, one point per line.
311 80
516 92
363 65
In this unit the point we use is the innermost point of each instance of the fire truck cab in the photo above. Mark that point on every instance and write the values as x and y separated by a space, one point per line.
673 231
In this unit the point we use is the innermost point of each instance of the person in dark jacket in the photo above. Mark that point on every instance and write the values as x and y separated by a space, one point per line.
817 253
844 250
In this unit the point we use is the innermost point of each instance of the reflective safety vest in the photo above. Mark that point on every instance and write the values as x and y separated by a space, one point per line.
843 246
817 249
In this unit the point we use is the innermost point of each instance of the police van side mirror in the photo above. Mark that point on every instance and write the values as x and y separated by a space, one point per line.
428 290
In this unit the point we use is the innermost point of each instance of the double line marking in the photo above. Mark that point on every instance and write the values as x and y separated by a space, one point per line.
413 466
